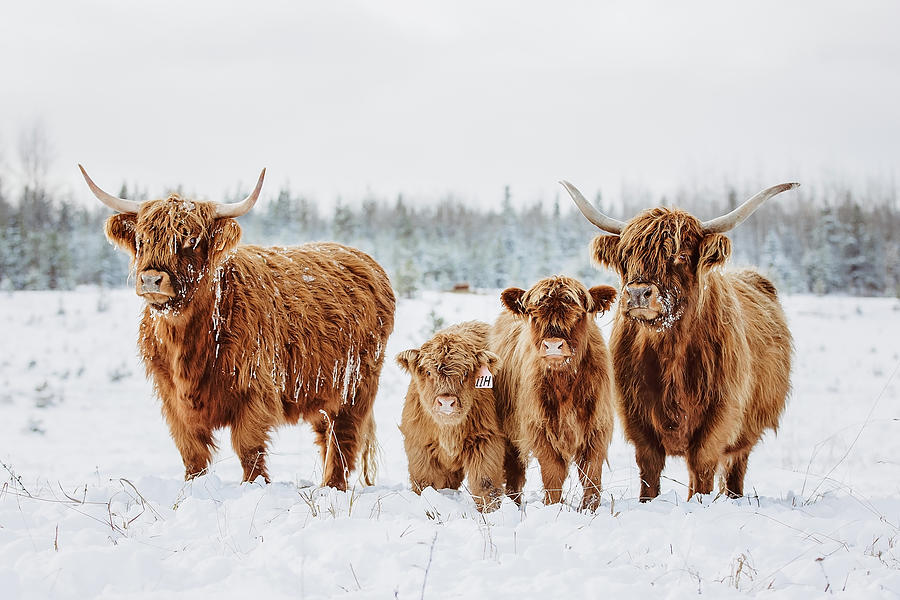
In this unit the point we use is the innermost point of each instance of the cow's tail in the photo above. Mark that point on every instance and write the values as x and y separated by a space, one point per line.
369 449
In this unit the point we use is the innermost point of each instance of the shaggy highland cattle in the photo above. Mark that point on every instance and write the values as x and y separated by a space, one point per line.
554 384
449 424
702 356
251 337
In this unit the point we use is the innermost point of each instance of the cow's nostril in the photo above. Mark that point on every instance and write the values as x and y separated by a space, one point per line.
648 293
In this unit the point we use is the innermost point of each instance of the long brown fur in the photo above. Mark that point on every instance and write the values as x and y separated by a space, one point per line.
442 450
707 377
256 337
558 414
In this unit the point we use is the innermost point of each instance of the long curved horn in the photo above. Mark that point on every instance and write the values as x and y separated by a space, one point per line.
734 218
591 213
119 204
237 209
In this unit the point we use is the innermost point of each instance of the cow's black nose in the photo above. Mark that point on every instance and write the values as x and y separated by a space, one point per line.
151 281
639 295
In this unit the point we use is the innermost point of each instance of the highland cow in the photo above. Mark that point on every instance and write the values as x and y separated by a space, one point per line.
449 424
702 356
554 384
252 338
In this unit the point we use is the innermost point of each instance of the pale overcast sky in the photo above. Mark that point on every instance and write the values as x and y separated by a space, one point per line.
426 98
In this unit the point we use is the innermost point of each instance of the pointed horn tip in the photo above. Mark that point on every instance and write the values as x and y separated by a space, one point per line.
785 187
262 176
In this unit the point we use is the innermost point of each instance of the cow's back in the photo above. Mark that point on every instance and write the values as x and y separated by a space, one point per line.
312 319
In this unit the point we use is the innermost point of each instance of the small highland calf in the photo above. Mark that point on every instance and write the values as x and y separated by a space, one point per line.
449 424
554 384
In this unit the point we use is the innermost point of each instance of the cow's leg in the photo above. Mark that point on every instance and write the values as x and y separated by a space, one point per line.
483 464
590 472
734 476
702 466
650 458
343 436
195 444
514 467
335 463
339 438
249 441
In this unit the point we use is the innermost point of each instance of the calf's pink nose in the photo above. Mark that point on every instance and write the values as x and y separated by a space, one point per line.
445 404
555 348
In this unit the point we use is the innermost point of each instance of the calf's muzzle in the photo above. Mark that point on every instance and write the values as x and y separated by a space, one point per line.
446 404
555 348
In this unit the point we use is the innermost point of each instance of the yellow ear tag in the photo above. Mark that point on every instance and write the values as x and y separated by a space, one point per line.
484 378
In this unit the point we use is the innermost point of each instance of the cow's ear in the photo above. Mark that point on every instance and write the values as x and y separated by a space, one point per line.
487 358
512 300
407 360
602 297
605 251
224 236
121 230
715 249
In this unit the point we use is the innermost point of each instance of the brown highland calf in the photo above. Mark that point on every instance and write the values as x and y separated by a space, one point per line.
450 426
702 356
554 384
251 337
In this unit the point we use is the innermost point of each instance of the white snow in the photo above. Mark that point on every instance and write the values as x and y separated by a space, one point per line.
92 504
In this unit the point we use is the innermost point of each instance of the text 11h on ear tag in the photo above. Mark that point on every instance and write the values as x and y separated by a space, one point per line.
484 378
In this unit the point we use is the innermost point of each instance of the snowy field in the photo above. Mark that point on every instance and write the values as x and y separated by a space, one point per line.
93 505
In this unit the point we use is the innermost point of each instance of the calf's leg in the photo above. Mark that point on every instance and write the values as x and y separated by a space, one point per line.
553 472
483 463
425 469
590 472
514 466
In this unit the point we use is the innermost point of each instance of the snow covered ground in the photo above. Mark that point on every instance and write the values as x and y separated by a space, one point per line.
92 503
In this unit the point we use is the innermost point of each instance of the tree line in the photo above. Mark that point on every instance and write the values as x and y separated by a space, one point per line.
808 241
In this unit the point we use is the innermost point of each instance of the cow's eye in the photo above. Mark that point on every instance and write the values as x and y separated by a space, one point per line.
428 373
191 242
